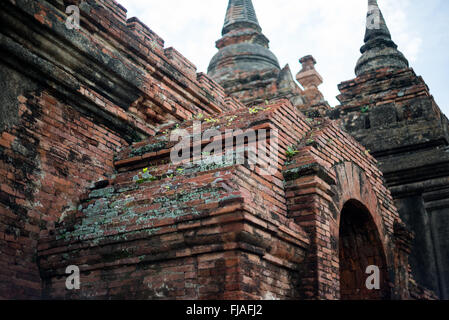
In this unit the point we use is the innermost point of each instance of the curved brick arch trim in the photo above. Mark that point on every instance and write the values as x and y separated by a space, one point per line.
353 184
354 188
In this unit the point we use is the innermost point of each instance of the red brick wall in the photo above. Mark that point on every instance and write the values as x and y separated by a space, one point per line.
68 105
47 161
183 236
250 226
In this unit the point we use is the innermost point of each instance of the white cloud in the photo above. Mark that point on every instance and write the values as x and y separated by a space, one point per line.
331 30
403 29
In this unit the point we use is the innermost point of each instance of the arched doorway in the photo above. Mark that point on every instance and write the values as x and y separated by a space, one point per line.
359 247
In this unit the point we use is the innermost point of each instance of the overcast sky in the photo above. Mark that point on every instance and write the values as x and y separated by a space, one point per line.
331 30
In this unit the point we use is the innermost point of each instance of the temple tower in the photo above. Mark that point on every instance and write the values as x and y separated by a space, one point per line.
389 109
244 65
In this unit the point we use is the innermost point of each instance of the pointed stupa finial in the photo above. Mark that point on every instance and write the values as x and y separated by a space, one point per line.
375 23
239 13
379 50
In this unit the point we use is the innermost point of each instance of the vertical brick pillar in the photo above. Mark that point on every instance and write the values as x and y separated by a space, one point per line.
309 203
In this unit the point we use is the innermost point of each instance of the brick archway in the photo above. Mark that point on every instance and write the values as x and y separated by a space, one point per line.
322 208
320 181
359 228
359 247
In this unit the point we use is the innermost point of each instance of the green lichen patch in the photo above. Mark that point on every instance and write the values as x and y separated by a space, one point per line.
154 147
102 193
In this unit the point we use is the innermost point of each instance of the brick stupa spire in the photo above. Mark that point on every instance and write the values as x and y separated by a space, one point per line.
389 109
244 65
240 13
379 50
243 49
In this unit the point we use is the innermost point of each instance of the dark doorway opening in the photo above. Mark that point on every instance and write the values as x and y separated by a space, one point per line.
360 247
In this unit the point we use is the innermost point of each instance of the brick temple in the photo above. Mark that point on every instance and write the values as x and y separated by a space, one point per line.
87 178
